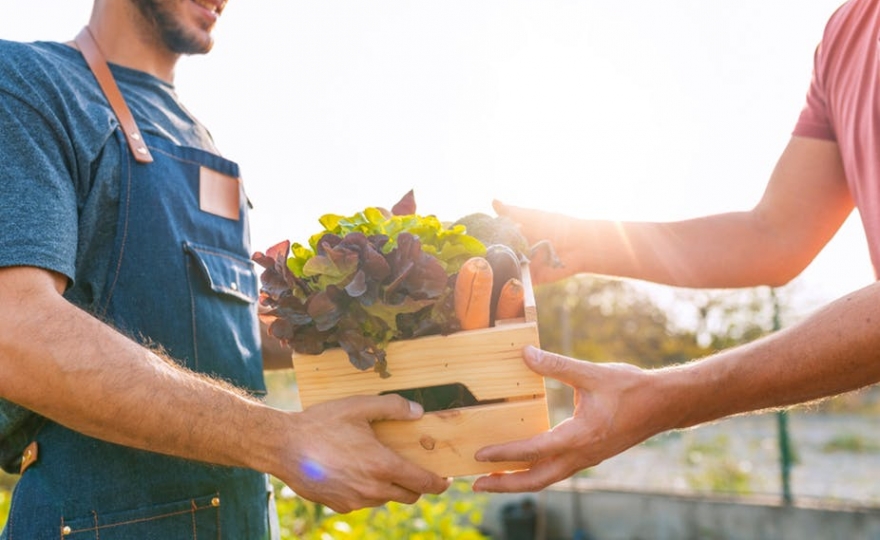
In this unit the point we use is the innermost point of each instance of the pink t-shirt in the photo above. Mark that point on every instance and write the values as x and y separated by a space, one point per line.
843 105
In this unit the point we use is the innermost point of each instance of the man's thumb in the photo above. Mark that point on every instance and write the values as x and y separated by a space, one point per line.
499 207
390 408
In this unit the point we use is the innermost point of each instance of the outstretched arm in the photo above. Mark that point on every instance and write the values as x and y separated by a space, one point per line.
620 405
68 366
805 203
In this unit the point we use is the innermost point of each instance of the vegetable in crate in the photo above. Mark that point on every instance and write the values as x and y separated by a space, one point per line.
363 281
511 300
472 297
501 230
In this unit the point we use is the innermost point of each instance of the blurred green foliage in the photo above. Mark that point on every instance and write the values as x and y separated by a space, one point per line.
851 442
611 320
457 513
715 469
4 506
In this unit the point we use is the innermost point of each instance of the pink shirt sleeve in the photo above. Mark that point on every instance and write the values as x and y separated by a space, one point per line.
814 120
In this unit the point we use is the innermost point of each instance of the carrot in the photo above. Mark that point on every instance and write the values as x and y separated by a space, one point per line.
505 264
511 301
473 294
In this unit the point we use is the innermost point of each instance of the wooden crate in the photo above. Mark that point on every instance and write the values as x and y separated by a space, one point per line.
488 362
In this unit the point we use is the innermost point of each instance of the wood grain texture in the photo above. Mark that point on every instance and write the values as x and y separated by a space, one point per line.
488 361
445 441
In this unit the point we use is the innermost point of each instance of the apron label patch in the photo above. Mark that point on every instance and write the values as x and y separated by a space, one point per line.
219 194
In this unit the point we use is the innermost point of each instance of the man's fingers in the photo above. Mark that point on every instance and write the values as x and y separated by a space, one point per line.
514 482
574 373
534 479
377 496
387 408
405 474
418 480
399 494
528 450
518 214
411 477
500 208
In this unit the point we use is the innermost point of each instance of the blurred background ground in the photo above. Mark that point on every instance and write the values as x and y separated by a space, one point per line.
836 458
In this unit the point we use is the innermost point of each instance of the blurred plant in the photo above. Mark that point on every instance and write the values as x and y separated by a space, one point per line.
851 442
454 514
713 469
7 481
603 320
4 507
457 513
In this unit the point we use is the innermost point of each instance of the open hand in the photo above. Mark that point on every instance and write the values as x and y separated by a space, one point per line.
552 232
613 411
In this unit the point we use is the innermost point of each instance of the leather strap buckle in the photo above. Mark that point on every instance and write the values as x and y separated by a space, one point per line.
29 456
98 64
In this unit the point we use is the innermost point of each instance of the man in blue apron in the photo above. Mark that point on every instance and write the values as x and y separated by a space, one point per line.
129 344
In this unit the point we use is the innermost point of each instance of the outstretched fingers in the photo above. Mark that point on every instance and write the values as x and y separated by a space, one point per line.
536 478
549 458
578 374
530 450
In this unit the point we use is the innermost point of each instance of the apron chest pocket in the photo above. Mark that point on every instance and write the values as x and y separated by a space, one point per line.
224 328
226 273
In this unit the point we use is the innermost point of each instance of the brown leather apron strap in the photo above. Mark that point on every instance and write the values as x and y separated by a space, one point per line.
101 70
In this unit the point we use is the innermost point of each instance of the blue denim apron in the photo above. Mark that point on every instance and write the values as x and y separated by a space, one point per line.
181 279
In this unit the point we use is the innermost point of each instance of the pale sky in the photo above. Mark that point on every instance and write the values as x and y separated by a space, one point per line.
620 109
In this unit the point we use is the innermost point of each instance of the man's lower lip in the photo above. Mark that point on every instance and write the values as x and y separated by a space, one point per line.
212 9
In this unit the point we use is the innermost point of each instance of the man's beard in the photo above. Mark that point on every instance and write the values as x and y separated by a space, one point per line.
173 35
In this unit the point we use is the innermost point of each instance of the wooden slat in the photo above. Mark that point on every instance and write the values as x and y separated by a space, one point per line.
488 362
531 310
445 442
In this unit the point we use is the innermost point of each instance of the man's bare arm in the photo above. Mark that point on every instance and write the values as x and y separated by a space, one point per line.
805 203
620 405
66 365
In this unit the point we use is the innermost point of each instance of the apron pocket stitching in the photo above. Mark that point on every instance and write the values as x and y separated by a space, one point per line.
194 506
192 309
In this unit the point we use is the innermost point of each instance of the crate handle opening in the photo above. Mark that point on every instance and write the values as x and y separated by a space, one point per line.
441 397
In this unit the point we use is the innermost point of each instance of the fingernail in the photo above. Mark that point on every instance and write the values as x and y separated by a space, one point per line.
416 409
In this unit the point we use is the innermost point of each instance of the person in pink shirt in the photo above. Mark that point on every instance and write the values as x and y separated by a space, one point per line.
830 166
